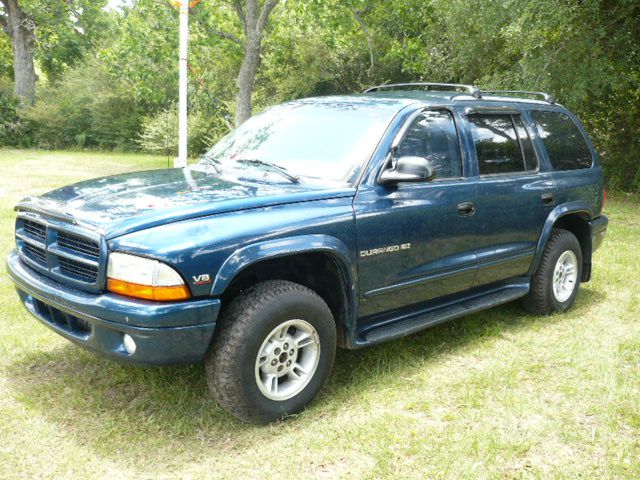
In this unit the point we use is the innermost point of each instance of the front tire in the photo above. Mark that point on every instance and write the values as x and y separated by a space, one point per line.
555 284
272 353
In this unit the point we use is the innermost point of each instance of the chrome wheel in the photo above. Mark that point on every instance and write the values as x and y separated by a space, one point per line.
287 360
565 275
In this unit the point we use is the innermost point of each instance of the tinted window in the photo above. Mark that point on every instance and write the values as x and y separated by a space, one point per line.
530 158
566 147
496 142
433 135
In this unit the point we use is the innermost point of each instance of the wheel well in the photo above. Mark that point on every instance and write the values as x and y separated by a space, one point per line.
319 271
577 223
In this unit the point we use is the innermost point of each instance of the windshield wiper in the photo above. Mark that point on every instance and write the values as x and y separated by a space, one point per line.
213 162
279 169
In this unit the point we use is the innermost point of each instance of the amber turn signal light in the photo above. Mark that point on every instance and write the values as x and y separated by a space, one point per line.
148 292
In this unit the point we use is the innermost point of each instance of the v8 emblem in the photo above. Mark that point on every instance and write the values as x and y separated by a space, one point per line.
202 279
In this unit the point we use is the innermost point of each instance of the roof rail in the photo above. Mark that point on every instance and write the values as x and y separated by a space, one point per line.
547 97
472 90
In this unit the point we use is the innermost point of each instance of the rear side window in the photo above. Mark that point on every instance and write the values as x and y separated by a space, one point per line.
530 157
502 144
433 135
565 144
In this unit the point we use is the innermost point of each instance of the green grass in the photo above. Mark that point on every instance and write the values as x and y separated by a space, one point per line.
495 395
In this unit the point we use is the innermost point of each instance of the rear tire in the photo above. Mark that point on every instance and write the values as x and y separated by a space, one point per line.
555 283
272 353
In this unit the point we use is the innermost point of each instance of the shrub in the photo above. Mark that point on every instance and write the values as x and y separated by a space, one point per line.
13 132
160 132
84 110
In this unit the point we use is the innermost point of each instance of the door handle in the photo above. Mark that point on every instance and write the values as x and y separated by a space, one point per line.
547 198
466 209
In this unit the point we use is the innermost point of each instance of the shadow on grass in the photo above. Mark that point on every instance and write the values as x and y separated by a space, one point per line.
120 410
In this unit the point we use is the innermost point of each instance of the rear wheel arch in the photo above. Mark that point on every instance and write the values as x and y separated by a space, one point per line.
575 219
578 224
555 283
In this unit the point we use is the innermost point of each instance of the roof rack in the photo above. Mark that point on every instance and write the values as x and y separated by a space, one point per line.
547 97
472 90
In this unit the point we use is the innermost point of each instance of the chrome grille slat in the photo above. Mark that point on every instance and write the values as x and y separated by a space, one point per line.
33 241
73 256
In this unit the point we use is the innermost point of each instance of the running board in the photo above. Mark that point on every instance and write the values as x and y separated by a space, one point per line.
430 318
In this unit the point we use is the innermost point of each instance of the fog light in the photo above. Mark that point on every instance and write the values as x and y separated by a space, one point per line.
129 344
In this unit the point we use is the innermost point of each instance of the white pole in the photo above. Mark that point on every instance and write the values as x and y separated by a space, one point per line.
181 161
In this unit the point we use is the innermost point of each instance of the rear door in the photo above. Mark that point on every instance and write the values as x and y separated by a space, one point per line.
416 240
515 195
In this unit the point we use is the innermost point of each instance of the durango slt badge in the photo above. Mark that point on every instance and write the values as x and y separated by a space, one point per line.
387 249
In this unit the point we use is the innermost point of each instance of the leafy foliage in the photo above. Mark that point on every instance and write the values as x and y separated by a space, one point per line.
6 60
160 132
10 126
587 53
84 110
64 32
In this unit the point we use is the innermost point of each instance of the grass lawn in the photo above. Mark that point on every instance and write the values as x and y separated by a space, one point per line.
495 395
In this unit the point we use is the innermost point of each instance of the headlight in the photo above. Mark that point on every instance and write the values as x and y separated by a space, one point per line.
140 277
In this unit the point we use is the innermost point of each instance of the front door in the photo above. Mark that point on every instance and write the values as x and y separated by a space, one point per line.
416 240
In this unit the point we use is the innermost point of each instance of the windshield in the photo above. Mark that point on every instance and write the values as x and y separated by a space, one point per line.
304 140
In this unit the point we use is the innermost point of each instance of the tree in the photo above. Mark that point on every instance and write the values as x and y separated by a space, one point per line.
254 20
57 33
213 26
20 28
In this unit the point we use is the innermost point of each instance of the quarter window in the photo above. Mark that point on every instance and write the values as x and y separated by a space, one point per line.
433 135
565 144
502 144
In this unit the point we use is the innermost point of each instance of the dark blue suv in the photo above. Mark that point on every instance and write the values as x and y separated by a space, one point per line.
336 221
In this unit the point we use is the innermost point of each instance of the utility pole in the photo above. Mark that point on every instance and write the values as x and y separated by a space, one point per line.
181 161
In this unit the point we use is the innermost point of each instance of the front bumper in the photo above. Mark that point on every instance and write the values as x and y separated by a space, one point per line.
164 333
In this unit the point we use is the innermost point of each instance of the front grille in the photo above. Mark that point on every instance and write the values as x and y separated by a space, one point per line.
61 252
37 253
36 230
88 273
78 244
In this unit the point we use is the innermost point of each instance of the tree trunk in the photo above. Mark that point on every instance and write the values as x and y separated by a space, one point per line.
246 80
254 20
20 28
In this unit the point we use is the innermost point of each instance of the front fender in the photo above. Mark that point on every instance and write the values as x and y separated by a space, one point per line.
250 254
578 206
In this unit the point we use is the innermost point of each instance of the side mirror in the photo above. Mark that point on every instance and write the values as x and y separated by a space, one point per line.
408 169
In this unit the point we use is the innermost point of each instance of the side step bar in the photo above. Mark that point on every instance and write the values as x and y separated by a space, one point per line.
430 318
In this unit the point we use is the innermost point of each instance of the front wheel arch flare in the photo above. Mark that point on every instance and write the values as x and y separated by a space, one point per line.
252 255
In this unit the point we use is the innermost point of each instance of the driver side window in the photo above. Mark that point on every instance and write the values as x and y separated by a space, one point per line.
432 135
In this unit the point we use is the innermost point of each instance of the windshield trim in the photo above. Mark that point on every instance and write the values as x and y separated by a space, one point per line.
366 168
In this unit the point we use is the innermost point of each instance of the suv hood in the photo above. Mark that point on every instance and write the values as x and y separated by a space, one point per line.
121 204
